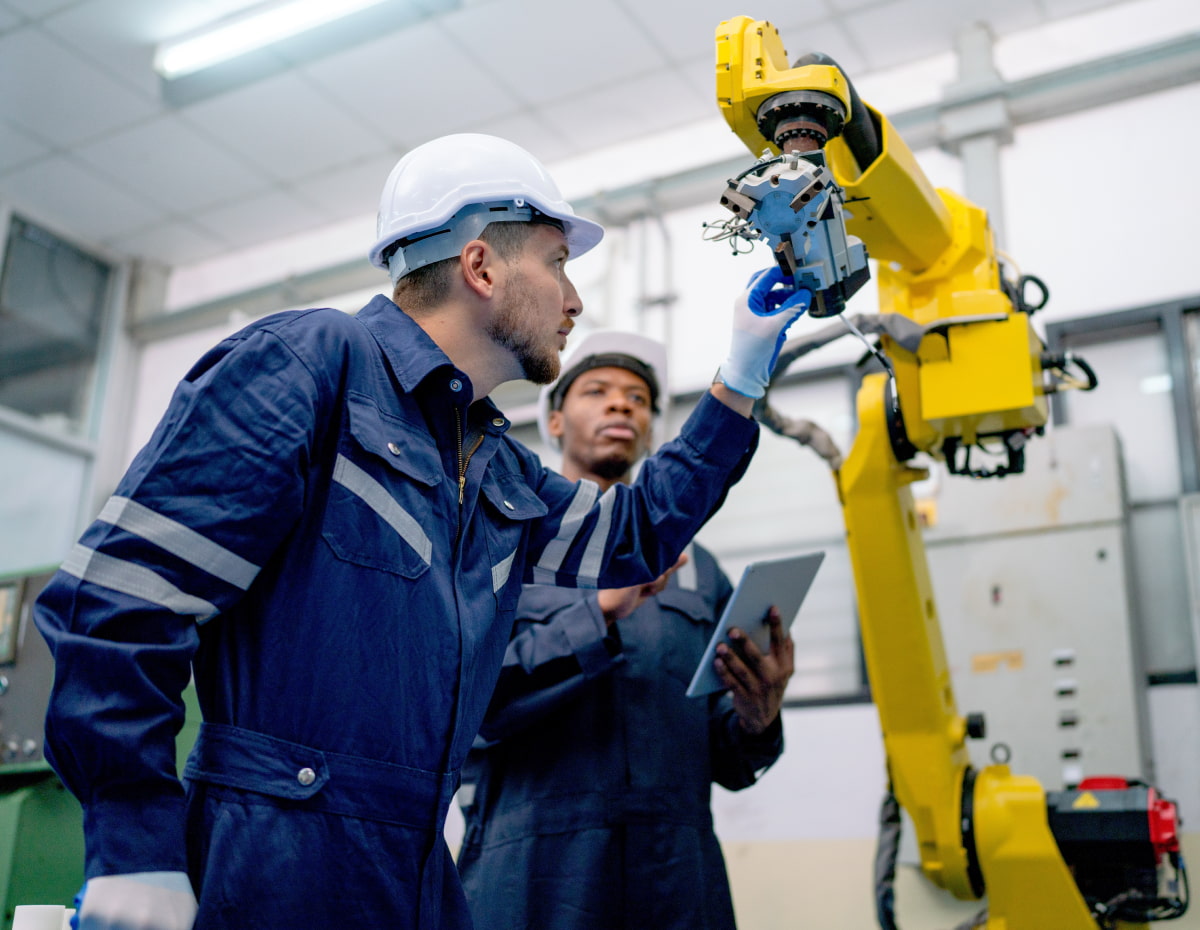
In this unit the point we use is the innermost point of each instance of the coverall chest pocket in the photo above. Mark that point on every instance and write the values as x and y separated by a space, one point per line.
381 501
510 506
686 624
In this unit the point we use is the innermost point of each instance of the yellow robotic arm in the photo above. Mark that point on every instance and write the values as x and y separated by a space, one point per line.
977 375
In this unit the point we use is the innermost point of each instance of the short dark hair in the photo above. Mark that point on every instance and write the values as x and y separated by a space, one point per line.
429 285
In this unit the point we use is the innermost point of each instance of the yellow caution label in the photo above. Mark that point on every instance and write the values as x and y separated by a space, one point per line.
983 662
1085 800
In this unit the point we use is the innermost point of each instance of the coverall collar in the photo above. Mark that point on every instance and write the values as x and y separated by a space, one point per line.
411 354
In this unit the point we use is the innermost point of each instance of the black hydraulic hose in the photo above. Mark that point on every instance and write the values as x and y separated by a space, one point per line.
860 132
886 852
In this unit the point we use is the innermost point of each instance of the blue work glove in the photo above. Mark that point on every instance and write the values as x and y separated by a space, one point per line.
761 316
138 901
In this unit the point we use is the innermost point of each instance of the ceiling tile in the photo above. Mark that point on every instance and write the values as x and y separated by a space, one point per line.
1001 17
8 19
684 29
653 155
119 36
285 125
1056 8
61 191
847 6
36 9
352 189
376 82
255 220
74 101
530 132
828 38
627 110
220 8
175 243
174 165
547 50
892 34
16 147
898 32
700 76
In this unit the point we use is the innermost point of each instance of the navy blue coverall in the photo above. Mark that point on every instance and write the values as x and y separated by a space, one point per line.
591 801
333 542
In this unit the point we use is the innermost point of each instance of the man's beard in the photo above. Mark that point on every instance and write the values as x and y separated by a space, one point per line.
613 468
509 329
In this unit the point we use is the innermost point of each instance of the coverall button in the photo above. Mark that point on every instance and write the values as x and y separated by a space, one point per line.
509 506
455 384
498 421
393 448
306 777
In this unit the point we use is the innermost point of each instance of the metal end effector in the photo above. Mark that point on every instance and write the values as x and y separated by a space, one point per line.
793 202
789 197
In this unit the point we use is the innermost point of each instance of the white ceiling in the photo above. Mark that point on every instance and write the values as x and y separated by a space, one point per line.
89 146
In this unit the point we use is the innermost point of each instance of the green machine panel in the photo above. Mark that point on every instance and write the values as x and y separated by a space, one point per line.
41 823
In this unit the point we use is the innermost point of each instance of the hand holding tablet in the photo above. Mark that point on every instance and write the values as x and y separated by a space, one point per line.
781 583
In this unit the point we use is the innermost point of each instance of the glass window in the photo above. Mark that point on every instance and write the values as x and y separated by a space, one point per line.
1158 560
1134 395
52 299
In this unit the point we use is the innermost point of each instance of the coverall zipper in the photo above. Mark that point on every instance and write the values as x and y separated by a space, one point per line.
463 462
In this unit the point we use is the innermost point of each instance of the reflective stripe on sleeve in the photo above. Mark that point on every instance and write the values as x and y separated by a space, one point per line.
554 553
375 496
179 540
135 580
593 556
501 571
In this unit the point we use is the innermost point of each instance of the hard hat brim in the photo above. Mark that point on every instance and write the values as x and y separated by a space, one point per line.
582 235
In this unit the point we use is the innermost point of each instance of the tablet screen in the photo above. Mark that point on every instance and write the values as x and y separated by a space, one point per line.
782 583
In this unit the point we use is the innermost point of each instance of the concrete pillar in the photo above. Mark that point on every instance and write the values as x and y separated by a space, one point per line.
974 122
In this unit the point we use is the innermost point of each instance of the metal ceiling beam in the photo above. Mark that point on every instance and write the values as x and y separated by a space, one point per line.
305 290
1085 86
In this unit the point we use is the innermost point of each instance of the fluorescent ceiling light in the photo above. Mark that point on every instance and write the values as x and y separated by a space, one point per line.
231 38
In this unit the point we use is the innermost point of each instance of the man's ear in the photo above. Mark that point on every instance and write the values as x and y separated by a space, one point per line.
479 262
554 424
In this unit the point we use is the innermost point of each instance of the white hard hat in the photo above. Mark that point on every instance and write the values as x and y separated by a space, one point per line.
443 194
603 349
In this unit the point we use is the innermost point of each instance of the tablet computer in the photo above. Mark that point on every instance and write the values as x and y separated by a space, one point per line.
782 583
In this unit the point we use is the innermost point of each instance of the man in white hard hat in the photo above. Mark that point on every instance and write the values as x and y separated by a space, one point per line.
328 531
587 797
